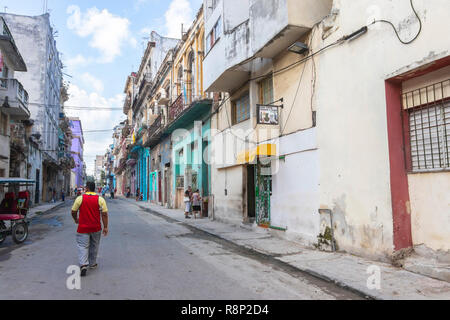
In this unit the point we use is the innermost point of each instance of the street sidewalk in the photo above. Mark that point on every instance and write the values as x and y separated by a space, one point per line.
345 270
44 208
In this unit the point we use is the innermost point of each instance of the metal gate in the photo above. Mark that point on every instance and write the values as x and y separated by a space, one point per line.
263 192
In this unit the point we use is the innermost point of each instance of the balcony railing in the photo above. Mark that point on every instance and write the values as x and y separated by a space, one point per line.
182 103
155 127
15 90
176 108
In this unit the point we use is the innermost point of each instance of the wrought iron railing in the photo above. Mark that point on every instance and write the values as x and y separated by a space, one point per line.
176 108
155 127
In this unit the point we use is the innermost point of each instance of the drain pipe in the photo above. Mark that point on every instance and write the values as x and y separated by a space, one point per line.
330 213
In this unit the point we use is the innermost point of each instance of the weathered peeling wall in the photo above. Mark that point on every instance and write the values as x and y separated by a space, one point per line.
267 19
228 191
352 118
234 15
430 210
295 196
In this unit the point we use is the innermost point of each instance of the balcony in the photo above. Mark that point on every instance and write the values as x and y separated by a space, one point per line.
127 105
154 133
9 48
185 111
14 99
263 29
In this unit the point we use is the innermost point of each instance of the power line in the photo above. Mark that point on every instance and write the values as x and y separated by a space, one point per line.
397 32
50 106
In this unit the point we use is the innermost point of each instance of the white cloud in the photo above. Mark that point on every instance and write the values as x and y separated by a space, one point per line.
108 32
94 119
78 60
93 82
139 3
179 12
146 31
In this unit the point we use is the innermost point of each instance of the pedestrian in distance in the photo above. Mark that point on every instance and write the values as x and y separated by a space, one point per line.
112 192
89 211
196 204
190 197
187 203
138 194
63 196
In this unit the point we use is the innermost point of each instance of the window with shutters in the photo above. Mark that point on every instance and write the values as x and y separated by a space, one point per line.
266 91
241 109
429 127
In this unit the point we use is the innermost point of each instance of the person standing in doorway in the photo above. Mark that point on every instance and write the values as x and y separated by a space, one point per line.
187 203
92 212
196 204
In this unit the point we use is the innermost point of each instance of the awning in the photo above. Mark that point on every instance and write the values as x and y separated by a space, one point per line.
17 181
264 150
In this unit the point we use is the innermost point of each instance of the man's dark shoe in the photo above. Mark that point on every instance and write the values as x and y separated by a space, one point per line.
84 270
93 267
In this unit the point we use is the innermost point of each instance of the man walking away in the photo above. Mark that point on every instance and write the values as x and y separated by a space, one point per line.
92 208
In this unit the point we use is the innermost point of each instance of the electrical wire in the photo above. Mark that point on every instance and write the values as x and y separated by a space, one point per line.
62 107
397 32
298 89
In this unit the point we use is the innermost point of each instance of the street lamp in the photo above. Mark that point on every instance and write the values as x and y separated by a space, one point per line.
299 48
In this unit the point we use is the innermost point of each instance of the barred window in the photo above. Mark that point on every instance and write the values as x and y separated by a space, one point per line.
429 127
241 109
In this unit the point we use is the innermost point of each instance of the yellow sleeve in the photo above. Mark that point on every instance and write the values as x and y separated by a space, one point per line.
77 204
102 204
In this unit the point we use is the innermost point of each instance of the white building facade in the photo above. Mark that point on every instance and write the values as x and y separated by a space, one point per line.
357 159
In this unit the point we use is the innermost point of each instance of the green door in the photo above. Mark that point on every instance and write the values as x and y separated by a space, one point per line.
263 191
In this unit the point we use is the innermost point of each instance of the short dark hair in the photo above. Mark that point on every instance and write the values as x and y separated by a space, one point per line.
90 185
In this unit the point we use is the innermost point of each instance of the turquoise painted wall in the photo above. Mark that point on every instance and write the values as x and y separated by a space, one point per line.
193 147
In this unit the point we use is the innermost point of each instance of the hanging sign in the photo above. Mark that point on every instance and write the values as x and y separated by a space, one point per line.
268 114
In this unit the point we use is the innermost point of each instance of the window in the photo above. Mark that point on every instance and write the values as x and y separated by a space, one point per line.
4 124
218 28
241 109
5 74
429 127
214 35
266 91
192 77
180 79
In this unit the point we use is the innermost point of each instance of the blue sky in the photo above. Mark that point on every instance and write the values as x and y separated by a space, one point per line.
101 43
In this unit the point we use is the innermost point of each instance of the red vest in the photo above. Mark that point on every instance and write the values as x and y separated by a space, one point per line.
89 219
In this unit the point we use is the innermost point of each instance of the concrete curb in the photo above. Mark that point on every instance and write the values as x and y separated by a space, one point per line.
310 272
31 215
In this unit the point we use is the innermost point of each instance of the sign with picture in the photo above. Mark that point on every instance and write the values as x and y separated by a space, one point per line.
268 115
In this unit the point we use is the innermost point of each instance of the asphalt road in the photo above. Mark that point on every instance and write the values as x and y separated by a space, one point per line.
148 257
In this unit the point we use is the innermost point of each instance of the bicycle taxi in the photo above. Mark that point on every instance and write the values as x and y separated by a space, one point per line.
14 209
